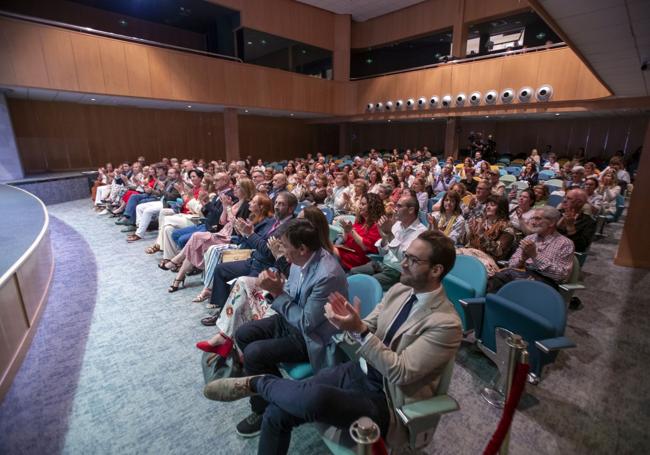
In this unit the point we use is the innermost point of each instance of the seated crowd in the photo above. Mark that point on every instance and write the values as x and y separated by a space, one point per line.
258 239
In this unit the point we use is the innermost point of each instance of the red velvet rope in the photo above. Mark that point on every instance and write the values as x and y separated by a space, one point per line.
517 389
379 447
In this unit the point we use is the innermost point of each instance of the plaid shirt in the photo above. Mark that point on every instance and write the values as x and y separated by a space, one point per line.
554 257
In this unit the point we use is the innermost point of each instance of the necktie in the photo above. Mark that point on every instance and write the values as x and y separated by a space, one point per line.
400 319
373 374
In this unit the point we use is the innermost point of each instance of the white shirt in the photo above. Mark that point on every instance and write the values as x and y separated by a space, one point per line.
402 237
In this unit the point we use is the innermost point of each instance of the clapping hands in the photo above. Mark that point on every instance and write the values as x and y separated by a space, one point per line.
343 315
244 227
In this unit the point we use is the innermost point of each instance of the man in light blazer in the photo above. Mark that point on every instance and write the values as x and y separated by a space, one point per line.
299 332
405 344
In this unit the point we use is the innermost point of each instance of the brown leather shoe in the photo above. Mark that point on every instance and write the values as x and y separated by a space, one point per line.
229 389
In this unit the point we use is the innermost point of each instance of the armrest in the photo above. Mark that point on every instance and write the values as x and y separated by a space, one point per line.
473 308
346 344
571 287
427 409
554 344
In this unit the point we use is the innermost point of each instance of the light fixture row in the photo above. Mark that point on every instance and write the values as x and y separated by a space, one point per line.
491 97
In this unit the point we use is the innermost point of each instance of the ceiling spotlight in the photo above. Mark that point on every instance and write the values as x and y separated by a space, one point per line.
475 98
491 97
93 99
388 106
370 106
525 94
399 104
291 115
446 101
557 114
460 99
434 101
189 107
544 93
507 96
246 111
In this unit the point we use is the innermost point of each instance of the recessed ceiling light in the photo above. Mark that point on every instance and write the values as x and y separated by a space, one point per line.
246 111
388 120
291 115
263 41
487 116
557 114
189 107
250 43
93 99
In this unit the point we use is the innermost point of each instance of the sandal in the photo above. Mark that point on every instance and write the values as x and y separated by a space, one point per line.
164 265
133 238
152 249
202 297
176 285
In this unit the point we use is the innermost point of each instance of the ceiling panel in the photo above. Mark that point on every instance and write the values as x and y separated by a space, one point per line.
361 10
612 35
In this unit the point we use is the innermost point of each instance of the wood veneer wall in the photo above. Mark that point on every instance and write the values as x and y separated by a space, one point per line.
54 136
48 57
427 17
275 139
561 68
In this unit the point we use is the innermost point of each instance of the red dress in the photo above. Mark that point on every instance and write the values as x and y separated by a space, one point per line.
370 236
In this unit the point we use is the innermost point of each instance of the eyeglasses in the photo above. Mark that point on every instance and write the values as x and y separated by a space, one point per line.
412 260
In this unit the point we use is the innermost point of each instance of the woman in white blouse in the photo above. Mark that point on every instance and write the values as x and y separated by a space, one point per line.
449 220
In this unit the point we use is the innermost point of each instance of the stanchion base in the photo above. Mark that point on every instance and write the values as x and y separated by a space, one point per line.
494 397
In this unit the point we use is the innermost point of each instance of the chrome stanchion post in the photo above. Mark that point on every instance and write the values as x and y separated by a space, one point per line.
517 354
365 432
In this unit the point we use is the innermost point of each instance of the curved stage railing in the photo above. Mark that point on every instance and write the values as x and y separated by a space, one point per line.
26 269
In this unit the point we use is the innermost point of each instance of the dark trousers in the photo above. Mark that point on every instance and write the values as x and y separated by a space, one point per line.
223 273
335 396
265 343
501 278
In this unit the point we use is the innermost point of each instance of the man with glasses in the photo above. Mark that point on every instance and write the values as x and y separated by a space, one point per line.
545 255
405 344
397 232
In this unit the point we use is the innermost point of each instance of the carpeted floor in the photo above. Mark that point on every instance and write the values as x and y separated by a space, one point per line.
113 367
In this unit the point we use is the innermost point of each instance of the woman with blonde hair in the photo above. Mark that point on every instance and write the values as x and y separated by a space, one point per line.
192 254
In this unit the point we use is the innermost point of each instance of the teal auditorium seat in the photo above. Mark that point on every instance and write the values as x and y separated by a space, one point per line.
528 308
369 291
466 280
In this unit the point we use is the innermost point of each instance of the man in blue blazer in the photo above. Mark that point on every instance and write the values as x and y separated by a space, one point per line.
299 332
262 258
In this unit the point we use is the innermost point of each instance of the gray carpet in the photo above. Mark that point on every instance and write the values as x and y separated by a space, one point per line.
113 367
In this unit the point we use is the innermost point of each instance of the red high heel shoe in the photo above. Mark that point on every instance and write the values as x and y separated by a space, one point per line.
222 349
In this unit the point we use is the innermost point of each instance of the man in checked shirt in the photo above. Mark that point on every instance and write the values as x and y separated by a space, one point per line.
545 255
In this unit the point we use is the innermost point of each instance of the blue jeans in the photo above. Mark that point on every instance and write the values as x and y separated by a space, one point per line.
292 403
134 200
182 236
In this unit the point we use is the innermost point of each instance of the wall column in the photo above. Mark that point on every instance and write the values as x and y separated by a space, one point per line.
452 137
10 166
341 59
459 32
634 247
231 134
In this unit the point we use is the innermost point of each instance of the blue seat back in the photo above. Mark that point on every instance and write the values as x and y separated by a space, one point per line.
514 170
620 206
554 200
546 174
422 215
472 271
329 214
367 289
529 308
457 290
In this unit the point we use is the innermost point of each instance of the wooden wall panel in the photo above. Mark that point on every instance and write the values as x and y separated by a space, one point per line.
363 137
55 136
286 18
561 68
59 59
281 138
427 17
419 19
130 69
13 324
87 55
113 58
482 10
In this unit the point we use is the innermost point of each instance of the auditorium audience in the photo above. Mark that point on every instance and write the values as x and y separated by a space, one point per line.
577 222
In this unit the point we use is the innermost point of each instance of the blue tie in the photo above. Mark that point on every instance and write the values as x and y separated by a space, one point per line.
373 374
400 319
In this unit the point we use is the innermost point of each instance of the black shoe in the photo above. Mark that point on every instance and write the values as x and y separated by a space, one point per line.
210 320
575 303
251 426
